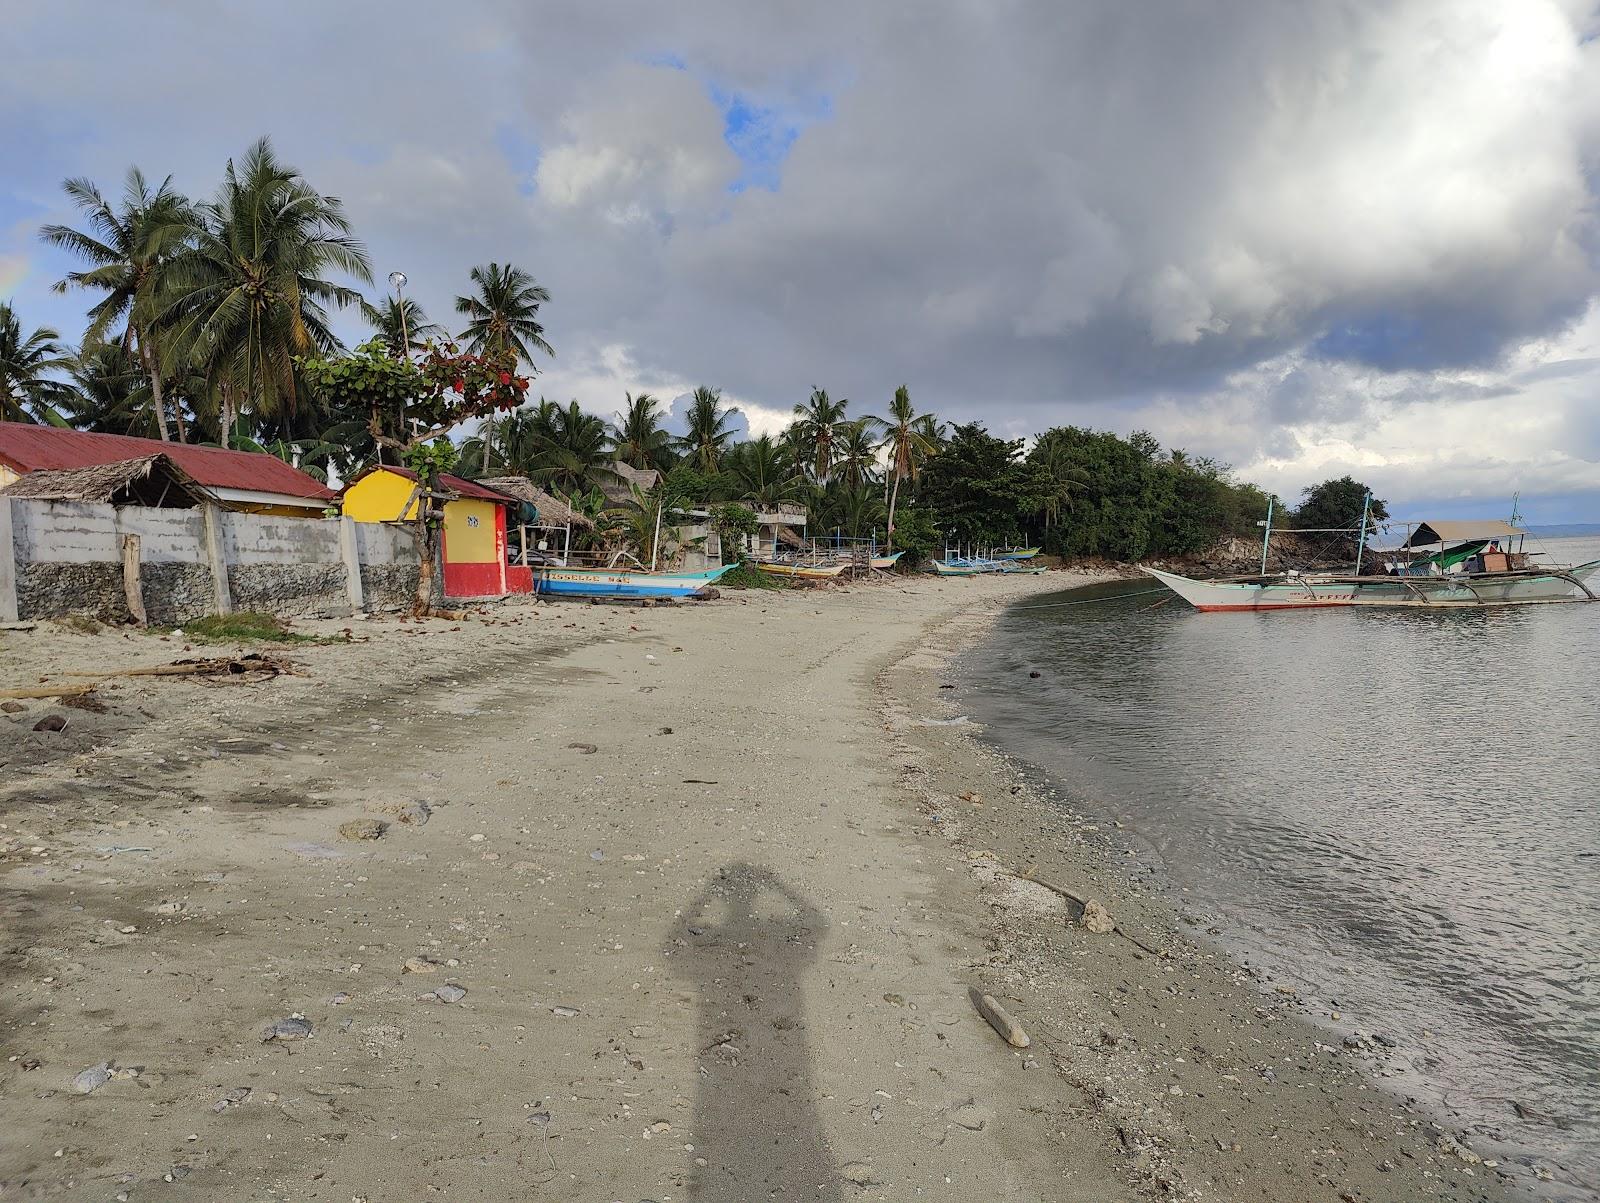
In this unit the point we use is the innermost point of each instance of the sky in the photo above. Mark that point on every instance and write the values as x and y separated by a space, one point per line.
1304 238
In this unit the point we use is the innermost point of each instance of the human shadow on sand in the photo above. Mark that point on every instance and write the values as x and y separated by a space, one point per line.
746 944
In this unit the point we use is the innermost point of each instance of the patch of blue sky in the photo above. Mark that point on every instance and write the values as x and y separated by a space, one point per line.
521 154
761 133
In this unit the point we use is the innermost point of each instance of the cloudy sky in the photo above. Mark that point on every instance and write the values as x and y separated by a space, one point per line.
1306 238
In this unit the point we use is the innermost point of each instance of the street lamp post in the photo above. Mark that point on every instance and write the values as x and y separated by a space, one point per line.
398 279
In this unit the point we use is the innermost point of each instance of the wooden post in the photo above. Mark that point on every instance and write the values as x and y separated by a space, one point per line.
132 589
8 564
221 594
350 553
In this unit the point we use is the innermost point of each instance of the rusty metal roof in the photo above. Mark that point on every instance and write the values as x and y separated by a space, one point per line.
25 448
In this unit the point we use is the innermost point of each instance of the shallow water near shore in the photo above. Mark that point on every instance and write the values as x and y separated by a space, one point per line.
1395 812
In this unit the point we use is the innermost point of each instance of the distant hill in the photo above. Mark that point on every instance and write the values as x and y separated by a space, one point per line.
1567 530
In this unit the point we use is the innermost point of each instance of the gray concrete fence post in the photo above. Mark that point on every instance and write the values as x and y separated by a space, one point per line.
8 563
222 595
350 552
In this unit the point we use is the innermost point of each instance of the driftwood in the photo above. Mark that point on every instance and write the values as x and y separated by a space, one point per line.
1010 1030
220 666
1083 904
49 691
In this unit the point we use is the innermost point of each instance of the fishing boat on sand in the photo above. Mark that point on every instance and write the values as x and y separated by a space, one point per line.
953 568
557 581
1439 565
886 562
805 572
1016 553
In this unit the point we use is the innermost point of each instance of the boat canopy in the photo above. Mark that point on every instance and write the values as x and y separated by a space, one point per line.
1429 533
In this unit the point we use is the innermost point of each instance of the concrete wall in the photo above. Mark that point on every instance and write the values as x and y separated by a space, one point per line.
66 557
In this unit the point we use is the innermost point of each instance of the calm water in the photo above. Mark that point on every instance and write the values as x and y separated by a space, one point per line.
1394 811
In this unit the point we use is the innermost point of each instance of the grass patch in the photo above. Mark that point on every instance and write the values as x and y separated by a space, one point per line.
81 623
748 576
247 626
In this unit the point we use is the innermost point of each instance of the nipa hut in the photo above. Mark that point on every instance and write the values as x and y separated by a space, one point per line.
550 516
150 480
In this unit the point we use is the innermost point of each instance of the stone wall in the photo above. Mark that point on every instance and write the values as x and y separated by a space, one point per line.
66 557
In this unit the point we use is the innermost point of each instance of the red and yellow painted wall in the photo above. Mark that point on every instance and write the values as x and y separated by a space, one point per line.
474 541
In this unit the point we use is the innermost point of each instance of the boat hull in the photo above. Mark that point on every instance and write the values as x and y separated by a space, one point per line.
940 568
1313 592
804 572
1221 596
886 561
624 582
1022 553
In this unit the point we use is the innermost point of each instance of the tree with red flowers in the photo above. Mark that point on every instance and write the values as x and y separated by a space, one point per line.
414 405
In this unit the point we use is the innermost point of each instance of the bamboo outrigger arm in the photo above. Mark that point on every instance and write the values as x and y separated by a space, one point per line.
1578 581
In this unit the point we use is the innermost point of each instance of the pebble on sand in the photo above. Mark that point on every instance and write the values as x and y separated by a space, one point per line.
292 1028
1097 919
91 1079
363 829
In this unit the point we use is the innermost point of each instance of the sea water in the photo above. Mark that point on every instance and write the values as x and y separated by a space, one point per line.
1395 811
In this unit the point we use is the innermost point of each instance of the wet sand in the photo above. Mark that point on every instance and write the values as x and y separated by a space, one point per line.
669 904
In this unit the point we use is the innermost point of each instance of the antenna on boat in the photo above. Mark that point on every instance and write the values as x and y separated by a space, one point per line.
1361 541
1266 536
1516 508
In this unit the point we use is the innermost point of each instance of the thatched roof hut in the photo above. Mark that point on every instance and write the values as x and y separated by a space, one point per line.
553 511
150 480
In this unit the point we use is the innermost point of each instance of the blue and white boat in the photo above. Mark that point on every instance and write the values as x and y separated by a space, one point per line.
555 581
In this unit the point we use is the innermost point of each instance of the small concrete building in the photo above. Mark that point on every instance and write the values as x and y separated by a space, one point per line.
474 535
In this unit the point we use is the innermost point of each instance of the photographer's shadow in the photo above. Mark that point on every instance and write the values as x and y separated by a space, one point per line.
746 943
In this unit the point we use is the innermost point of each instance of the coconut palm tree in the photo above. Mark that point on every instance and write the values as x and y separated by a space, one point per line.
705 440
110 392
762 473
128 249
909 438
818 426
638 439
503 319
251 293
1062 475
401 324
856 454
28 393
574 453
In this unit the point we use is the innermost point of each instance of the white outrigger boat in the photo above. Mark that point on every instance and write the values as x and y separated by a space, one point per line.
1473 566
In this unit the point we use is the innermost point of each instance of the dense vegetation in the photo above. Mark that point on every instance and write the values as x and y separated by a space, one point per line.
210 322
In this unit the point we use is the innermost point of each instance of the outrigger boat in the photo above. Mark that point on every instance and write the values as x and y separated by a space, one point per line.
953 568
808 572
556 581
1469 569
1016 553
886 562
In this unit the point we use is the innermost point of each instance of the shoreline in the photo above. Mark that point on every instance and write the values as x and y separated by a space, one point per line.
1185 1143
680 867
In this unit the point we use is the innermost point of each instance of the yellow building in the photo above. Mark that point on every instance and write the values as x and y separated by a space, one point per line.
474 543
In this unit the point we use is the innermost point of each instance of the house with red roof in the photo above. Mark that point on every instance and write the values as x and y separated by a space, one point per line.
248 481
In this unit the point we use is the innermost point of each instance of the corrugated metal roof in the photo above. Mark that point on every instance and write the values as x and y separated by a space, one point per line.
1461 532
25 448
456 484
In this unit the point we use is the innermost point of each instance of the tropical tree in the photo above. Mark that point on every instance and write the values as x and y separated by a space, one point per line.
28 393
909 438
762 473
128 249
251 292
856 455
503 318
574 453
110 392
1337 504
707 436
638 440
819 426
1061 473
401 324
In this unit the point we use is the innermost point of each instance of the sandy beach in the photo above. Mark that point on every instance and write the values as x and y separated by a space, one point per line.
665 904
